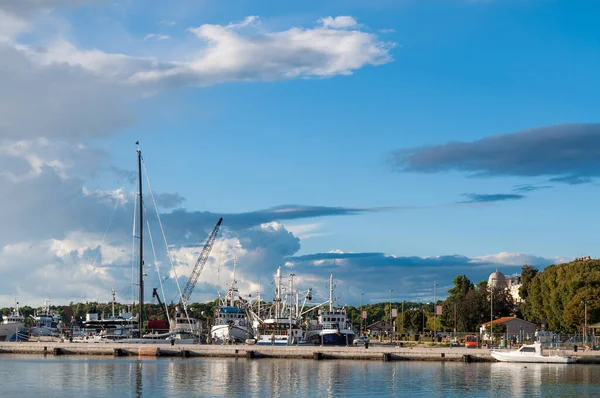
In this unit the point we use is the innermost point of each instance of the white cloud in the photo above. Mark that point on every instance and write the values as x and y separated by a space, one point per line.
156 36
341 22
11 26
517 259
229 55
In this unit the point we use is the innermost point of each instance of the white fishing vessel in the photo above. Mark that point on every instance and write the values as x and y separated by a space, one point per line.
231 324
47 322
282 324
530 353
332 326
11 324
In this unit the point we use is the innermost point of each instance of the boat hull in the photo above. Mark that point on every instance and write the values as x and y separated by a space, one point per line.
224 333
508 357
330 337
8 330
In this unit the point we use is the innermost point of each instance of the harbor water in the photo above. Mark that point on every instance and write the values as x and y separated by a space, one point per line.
70 376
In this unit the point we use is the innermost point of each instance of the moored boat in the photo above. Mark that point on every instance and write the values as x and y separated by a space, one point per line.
231 324
530 353
332 326
12 323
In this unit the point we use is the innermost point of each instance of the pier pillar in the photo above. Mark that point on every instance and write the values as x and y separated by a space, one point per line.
149 351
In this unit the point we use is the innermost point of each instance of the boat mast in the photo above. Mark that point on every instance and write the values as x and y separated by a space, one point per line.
141 314
278 293
113 303
331 291
290 308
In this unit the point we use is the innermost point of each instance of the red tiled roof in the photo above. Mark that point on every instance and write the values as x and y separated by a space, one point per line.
501 320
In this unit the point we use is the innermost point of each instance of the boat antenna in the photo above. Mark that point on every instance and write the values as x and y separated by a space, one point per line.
141 231
331 291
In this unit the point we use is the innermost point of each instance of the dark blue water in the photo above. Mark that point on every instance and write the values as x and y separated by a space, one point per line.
70 376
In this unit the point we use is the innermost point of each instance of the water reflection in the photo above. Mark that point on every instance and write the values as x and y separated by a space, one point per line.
228 377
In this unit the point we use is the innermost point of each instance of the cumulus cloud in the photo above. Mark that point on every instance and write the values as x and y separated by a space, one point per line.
565 153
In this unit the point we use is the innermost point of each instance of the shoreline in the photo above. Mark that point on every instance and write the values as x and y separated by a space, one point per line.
373 353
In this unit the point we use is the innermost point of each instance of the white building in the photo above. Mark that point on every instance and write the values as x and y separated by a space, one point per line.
513 284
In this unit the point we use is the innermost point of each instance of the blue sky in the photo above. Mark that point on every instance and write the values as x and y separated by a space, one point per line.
400 142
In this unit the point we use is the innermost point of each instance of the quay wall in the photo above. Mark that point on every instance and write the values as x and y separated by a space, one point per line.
374 352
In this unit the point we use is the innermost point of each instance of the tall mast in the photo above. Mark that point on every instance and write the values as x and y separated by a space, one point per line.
113 303
141 230
290 308
278 293
331 291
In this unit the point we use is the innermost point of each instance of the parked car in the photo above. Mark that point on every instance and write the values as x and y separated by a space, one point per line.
361 340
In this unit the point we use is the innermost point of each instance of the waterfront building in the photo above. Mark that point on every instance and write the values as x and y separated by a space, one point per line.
516 328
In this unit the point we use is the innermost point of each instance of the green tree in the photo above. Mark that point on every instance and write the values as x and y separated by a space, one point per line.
528 272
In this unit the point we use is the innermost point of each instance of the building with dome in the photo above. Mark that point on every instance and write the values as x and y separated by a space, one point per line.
513 284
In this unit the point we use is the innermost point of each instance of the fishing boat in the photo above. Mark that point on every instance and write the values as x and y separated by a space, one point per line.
332 326
530 353
12 324
282 323
231 324
46 322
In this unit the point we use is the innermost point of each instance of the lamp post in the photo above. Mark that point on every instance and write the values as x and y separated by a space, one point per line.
434 311
402 317
423 321
585 320
454 320
361 313
391 326
492 283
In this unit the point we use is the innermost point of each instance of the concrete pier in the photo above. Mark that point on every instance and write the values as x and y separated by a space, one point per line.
374 352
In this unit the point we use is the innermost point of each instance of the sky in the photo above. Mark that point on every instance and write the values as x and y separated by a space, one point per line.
395 144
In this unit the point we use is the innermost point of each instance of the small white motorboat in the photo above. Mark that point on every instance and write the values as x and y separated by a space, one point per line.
531 353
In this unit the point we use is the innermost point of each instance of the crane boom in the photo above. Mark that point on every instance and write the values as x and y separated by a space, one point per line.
191 283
